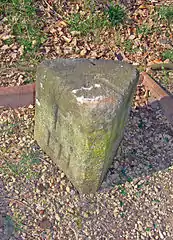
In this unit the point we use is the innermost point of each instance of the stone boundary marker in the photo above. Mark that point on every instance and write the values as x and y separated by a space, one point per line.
81 109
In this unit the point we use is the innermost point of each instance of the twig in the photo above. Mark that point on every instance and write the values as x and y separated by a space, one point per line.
75 233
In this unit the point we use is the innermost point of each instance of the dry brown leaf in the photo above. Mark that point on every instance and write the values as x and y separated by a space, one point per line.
52 30
62 23
68 50
74 42
20 50
44 223
75 33
66 39
132 37
6 37
83 52
60 33
47 49
13 55
55 39
143 7
5 47
58 50
93 54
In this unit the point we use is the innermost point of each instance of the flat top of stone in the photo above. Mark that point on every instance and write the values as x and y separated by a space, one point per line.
93 79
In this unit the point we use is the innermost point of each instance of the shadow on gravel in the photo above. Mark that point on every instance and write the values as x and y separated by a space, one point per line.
7 225
147 145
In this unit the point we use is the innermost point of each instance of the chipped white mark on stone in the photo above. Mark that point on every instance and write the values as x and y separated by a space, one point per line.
41 85
37 102
85 88
82 99
121 66
82 88
97 85
75 90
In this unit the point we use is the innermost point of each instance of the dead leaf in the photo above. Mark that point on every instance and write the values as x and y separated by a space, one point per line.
74 42
6 37
58 50
75 33
52 30
132 37
143 7
83 52
5 47
62 23
47 49
45 223
68 40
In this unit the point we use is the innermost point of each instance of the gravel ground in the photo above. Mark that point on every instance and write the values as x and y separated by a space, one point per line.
134 202
6 227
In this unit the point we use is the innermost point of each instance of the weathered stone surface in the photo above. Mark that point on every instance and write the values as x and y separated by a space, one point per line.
81 109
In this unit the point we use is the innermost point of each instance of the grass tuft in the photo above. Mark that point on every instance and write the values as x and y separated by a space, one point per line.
166 13
116 14
87 25
168 55
22 18
24 168
144 30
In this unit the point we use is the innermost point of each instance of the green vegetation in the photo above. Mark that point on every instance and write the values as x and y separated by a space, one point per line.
9 41
24 168
121 203
165 76
27 81
87 25
168 55
9 224
112 16
122 214
129 179
148 229
128 45
144 30
140 186
122 190
166 13
116 14
9 128
29 77
24 23
13 223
